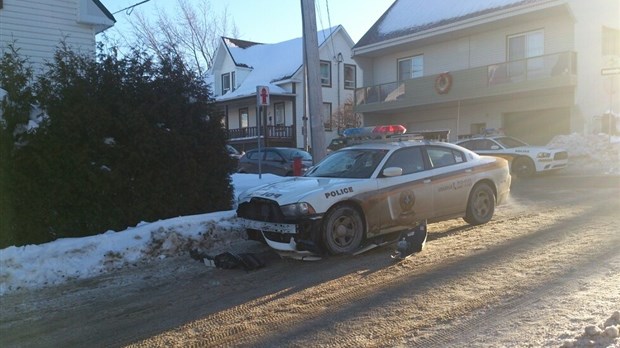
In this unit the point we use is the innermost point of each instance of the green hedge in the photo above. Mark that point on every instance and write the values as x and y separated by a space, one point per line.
126 140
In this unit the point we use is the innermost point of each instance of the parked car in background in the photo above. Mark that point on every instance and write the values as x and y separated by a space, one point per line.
232 152
371 192
525 160
274 160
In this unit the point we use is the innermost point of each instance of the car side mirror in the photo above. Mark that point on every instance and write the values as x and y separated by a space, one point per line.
393 171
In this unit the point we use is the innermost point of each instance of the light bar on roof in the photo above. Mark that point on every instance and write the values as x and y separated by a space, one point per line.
374 131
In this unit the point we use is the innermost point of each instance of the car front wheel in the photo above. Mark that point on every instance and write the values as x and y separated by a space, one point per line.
343 230
481 205
523 167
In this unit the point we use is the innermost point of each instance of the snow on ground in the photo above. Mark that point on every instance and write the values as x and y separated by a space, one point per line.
36 266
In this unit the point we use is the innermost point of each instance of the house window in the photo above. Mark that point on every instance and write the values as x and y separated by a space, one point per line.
349 76
233 86
611 42
326 74
243 118
521 49
412 67
327 116
278 110
225 83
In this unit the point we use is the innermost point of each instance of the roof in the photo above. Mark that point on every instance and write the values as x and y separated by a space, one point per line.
105 10
269 63
407 17
239 43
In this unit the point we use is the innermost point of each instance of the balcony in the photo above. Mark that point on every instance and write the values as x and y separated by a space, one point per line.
501 79
272 135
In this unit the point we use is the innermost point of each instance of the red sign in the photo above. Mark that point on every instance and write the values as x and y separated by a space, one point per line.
262 95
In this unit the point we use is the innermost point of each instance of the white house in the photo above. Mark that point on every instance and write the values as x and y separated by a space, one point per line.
240 66
37 27
533 68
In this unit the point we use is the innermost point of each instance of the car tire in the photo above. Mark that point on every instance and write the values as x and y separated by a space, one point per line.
480 205
343 230
523 167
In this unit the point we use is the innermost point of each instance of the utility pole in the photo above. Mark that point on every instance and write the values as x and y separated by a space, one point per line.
312 68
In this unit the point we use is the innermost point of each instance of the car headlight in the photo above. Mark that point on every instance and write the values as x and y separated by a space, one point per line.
297 209
543 155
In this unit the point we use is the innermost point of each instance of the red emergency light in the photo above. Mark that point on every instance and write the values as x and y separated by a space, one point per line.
373 131
390 129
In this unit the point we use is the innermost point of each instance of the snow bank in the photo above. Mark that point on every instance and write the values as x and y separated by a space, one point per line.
36 266
603 335
595 151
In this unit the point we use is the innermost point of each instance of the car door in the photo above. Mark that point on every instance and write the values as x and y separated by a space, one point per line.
249 164
451 179
407 198
274 163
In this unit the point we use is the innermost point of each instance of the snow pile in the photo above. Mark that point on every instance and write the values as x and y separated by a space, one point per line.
36 266
603 335
51 263
590 151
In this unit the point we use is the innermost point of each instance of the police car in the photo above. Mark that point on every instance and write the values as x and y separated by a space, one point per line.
372 191
525 160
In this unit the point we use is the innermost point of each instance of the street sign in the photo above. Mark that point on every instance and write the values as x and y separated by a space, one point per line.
610 71
262 95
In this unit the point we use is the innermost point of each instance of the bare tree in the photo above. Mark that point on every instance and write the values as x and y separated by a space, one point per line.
344 117
192 32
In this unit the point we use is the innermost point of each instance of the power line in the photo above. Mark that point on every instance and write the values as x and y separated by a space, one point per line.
329 21
130 8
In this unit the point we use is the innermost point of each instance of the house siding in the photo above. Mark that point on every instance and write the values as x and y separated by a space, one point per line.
474 50
572 28
293 97
37 27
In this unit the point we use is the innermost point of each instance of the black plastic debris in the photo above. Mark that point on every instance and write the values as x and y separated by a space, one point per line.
229 260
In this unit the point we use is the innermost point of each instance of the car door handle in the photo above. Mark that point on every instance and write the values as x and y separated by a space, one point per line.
467 170
427 181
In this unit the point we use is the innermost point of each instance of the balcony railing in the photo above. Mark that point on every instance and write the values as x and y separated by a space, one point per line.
502 78
273 132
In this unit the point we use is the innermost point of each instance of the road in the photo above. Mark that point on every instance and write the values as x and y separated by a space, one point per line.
546 266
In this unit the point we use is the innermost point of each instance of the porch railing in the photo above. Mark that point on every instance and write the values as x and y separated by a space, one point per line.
273 132
479 81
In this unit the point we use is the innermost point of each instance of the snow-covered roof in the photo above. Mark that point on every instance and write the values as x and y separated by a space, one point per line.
406 17
270 63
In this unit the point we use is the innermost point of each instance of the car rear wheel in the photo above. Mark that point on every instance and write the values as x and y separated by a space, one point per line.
523 167
343 230
481 205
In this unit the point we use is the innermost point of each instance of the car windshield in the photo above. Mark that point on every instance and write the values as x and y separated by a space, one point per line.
509 142
232 150
351 163
299 153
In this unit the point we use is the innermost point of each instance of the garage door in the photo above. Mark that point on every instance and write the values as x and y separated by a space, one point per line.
537 127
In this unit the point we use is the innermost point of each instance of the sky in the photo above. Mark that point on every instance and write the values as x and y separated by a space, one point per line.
266 21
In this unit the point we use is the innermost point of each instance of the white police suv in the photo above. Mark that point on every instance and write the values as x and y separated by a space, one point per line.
524 159
370 192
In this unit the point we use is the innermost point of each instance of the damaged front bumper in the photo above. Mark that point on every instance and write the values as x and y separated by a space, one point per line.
290 238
